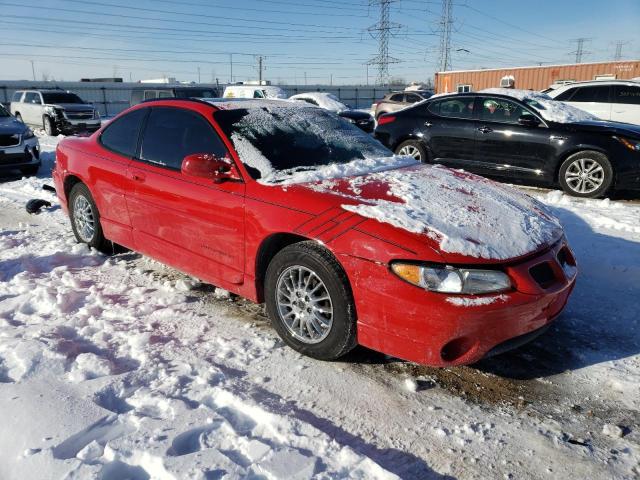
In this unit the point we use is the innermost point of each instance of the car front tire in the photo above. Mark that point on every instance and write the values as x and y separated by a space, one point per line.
85 218
586 174
413 148
49 127
309 301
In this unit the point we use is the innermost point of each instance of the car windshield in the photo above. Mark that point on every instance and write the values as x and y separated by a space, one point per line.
196 93
3 111
275 143
61 97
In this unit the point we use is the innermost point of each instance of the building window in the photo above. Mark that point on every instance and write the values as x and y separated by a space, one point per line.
463 88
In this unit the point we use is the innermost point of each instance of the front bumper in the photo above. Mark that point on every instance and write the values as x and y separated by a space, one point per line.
66 125
26 154
443 330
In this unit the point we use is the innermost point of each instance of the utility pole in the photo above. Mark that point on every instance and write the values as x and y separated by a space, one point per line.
305 78
381 31
231 68
367 65
260 70
33 71
198 74
331 79
446 20
580 52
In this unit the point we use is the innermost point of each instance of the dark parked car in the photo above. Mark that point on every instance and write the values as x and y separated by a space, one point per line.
153 91
330 102
519 136
19 147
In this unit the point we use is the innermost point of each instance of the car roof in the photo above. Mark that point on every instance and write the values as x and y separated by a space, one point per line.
598 82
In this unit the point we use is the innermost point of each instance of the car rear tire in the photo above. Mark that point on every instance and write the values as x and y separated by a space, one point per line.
309 301
49 127
586 174
85 219
413 148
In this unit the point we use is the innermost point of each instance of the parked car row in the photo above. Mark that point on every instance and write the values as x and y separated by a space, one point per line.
345 242
518 136
19 147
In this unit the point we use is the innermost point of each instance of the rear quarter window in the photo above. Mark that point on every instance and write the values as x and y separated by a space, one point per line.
626 94
121 135
16 97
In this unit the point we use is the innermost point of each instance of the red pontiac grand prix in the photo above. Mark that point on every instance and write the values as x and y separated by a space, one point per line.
345 243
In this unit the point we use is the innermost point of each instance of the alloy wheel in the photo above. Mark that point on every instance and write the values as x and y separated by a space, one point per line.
584 175
84 218
410 151
304 304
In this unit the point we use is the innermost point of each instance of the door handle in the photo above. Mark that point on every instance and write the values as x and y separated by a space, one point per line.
428 124
138 177
485 129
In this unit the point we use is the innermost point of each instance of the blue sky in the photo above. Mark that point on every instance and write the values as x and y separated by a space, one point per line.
322 41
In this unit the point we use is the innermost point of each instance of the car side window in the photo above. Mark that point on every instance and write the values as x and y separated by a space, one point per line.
16 97
170 134
599 94
627 94
311 101
461 107
501 110
412 98
150 94
121 135
32 97
566 95
398 97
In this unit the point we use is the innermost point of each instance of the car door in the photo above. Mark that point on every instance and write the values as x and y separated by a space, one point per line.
119 142
626 104
449 130
191 223
595 99
32 109
505 147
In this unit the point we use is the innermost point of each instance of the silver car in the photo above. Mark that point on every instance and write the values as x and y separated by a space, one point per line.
19 147
56 111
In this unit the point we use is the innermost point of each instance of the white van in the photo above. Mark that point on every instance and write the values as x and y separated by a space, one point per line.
253 91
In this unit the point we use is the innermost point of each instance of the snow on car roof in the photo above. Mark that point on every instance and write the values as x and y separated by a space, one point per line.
548 108
324 100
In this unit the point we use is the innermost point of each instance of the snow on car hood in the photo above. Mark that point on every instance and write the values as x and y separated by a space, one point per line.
324 100
465 214
550 109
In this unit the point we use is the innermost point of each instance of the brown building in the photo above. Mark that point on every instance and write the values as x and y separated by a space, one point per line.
533 78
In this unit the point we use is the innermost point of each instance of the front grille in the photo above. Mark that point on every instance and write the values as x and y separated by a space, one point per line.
9 140
88 115
543 274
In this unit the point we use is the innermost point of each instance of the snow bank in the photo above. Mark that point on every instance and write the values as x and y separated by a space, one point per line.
464 213
549 108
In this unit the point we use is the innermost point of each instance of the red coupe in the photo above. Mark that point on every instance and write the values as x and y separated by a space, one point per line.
345 243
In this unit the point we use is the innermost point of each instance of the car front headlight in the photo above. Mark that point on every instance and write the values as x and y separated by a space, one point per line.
28 134
633 145
448 279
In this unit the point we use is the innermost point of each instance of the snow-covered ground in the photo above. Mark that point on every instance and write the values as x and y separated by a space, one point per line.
119 367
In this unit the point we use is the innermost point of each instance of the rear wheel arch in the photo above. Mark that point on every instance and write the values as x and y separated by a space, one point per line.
69 182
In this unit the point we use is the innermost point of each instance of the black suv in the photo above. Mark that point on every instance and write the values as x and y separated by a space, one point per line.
519 136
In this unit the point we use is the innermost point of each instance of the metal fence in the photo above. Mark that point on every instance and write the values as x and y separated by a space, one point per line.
111 98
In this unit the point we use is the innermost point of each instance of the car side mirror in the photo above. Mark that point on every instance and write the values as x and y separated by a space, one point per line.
206 165
528 121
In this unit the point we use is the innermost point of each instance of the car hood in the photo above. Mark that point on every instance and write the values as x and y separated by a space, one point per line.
73 107
459 215
9 126
600 126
